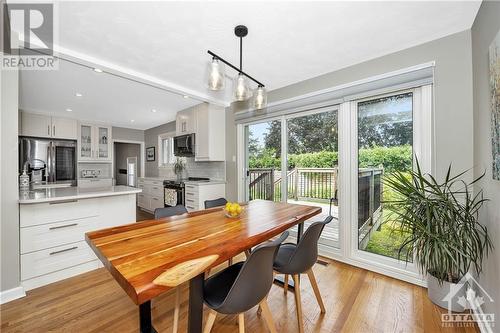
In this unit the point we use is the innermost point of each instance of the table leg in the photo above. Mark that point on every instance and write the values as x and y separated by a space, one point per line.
195 319
280 278
146 326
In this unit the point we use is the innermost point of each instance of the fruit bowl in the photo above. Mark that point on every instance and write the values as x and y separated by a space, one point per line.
232 210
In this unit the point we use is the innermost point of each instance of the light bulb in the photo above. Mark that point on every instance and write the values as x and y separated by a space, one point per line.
242 90
260 98
216 78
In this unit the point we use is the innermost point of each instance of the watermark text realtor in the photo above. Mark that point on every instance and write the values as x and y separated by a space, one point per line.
28 36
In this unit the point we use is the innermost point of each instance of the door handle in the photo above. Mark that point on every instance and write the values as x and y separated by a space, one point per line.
65 250
48 130
54 131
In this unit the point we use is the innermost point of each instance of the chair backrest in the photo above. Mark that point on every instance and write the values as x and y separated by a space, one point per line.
170 211
215 203
306 252
254 279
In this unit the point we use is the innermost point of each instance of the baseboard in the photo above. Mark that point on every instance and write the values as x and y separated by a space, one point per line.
11 294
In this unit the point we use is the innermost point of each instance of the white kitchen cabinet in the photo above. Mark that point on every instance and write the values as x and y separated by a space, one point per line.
185 121
48 127
197 193
210 133
52 235
64 128
94 143
152 196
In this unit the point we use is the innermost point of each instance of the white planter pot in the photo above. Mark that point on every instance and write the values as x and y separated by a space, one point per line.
442 294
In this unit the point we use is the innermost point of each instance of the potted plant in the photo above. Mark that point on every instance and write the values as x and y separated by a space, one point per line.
440 220
179 167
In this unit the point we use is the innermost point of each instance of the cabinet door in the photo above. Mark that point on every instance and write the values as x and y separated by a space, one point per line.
103 143
35 125
64 128
86 143
181 123
202 135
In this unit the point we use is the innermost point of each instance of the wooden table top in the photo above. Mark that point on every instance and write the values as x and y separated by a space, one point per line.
135 254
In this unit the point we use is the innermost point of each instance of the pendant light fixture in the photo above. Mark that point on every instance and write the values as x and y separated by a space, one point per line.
241 84
216 75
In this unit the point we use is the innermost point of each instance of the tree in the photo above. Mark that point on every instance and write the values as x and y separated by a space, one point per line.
253 145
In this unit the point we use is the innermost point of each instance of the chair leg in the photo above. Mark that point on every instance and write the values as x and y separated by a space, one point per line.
247 253
298 302
241 322
314 285
230 262
267 316
285 284
177 309
210 321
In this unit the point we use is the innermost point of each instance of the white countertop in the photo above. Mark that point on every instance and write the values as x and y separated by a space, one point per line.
73 193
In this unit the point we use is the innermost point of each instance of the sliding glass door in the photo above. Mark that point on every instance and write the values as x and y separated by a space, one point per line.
344 152
312 167
295 159
385 145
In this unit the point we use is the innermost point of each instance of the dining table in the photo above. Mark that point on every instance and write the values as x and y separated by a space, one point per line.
181 248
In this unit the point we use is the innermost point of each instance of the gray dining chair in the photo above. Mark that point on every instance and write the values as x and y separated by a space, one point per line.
241 286
215 203
167 212
295 259
170 211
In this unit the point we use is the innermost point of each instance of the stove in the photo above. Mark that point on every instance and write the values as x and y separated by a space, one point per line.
174 190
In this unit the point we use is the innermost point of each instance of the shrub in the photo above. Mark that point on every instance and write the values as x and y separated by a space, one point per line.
393 158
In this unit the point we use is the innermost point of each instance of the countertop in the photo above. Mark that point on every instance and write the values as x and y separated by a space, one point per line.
73 193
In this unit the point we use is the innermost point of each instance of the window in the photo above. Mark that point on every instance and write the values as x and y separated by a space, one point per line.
166 149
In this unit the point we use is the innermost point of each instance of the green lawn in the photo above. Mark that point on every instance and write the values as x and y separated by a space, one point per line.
387 241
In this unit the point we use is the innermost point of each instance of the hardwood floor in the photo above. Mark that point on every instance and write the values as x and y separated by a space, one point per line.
356 300
142 215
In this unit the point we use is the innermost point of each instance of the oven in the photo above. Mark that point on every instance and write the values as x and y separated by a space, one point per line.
173 193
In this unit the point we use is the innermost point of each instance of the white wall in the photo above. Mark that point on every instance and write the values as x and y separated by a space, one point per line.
486 26
9 223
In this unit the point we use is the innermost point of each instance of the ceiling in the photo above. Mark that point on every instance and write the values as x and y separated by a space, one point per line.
166 43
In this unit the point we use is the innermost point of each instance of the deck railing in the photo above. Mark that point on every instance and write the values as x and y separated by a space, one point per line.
320 184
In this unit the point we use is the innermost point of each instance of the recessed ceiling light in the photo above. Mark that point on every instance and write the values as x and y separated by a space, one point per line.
69 110
185 96
153 110
97 70
132 120
78 95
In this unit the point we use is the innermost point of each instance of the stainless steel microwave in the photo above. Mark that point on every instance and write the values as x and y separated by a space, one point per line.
184 145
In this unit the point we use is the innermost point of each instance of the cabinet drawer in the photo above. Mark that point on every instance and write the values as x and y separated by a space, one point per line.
143 200
55 234
144 188
50 260
51 212
191 207
156 190
157 202
193 202
191 188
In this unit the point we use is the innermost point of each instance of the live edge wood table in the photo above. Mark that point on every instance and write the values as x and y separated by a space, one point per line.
136 254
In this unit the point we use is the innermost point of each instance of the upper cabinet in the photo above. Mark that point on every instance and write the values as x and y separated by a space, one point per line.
47 127
94 143
210 133
185 122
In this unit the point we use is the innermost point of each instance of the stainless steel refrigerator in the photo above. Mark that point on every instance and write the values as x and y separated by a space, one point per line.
48 162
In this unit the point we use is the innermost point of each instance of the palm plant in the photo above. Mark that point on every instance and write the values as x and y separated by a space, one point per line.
440 220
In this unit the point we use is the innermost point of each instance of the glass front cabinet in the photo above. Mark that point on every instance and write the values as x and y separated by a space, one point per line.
94 143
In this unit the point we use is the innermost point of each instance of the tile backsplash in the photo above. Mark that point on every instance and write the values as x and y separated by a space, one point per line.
212 170
100 170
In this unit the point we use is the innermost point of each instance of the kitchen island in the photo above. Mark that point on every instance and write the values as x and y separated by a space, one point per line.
53 223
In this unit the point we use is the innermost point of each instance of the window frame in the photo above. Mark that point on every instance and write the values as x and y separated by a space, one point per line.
171 157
